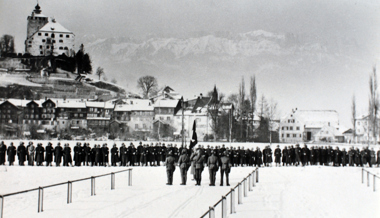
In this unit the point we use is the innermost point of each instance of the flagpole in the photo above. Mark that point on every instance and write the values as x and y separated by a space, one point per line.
183 123
230 125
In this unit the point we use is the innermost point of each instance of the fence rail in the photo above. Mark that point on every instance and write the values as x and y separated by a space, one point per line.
69 189
247 183
368 175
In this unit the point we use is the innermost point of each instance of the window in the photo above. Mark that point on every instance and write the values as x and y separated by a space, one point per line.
39 34
294 135
60 48
81 115
287 135
298 128
41 52
52 35
282 135
43 40
291 128
161 118
61 35
53 41
79 109
168 118
66 48
67 36
47 47
283 128
46 34
29 46
40 46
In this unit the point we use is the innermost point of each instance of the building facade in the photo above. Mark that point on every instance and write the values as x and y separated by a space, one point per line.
45 36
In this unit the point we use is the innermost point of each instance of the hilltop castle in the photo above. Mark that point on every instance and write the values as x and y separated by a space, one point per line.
45 36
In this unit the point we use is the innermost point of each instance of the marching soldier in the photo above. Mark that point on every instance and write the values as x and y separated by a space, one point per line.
170 167
225 168
199 165
213 166
184 164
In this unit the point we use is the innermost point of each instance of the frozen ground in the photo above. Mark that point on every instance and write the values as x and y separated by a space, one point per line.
281 192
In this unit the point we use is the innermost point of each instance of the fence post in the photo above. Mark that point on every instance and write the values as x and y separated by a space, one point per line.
40 199
112 181
240 198
245 187
362 175
253 179
92 186
374 177
130 177
367 179
1 206
249 183
69 192
224 207
232 201
211 213
257 175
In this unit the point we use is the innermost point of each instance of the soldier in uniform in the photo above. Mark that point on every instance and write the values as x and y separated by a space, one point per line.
21 154
199 160
284 156
114 155
344 157
357 157
351 156
378 158
87 154
39 154
170 167
225 168
259 159
31 152
3 151
58 154
277 156
105 153
11 152
67 159
143 155
140 149
184 164
305 155
123 155
49 154
213 166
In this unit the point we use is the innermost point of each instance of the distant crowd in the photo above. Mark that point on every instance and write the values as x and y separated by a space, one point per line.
145 154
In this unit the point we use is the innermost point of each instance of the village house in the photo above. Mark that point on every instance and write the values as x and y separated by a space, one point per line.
304 125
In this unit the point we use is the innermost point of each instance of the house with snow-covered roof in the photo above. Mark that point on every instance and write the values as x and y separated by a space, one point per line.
303 125
45 36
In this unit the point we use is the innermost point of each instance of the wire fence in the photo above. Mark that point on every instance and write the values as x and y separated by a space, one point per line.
368 178
242 187
69 189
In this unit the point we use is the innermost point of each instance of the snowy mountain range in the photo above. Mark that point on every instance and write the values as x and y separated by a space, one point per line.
203 57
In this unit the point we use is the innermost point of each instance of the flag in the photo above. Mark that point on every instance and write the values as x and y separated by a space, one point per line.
179 106
194 139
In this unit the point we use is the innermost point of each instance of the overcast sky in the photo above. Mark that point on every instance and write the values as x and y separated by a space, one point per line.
321 21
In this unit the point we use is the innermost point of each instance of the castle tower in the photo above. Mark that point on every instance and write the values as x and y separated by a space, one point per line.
36 21
46 36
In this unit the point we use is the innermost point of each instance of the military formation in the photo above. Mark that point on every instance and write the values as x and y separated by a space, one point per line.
196 159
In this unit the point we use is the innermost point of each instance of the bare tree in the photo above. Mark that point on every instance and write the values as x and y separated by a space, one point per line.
241 104
353 118
271 114
99 72
373 103
213 111
7 45
253 97
148 86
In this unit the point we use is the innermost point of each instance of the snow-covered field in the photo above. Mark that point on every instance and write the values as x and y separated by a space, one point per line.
311 191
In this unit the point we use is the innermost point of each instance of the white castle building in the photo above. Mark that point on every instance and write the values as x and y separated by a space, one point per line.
45 36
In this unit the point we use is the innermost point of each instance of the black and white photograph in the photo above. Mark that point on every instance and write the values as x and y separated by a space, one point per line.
196 108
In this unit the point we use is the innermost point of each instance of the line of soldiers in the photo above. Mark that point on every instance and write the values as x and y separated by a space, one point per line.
197 161
326 155
155 154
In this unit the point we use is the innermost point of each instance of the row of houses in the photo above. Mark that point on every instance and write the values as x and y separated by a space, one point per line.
160 116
